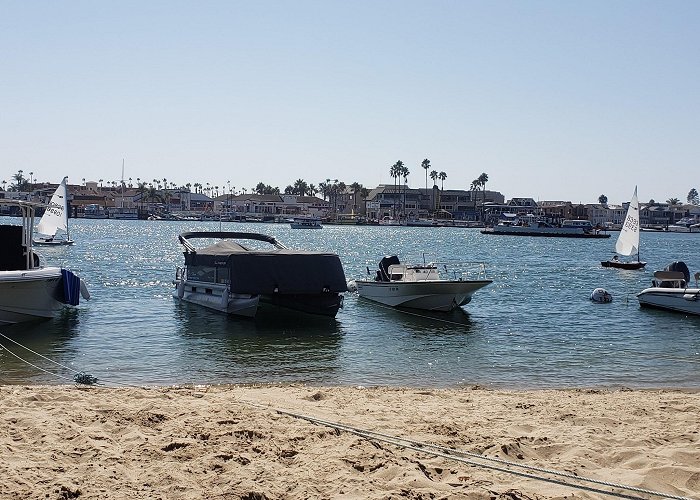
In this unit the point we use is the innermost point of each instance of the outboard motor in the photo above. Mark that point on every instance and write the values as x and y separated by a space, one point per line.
679 267
389 260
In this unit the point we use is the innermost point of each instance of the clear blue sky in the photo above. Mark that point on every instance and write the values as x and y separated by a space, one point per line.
560 100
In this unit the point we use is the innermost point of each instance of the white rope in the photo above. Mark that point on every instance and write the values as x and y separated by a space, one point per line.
450 454
33 365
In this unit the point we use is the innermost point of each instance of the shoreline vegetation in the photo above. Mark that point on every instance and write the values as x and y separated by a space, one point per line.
297 441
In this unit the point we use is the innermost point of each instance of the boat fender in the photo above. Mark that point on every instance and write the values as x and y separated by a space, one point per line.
224 299
84 292
180 289
601 296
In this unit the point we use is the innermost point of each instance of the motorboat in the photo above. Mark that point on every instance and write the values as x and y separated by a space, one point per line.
28 290
685 225
568 229
671 290
235 276
53 226
306 224
628 240
419 286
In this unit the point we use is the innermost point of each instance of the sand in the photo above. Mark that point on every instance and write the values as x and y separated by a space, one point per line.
230 442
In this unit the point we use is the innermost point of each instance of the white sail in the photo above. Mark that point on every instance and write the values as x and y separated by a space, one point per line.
628 241
56 216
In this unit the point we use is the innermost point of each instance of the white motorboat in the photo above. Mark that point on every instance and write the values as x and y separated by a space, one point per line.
418 286
670 290
238 279
306 224
53 226
28 290
685 225
568 229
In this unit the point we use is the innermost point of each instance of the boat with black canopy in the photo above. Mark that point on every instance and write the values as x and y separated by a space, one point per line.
235 276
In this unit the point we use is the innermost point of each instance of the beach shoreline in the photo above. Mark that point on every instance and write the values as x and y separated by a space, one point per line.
302 441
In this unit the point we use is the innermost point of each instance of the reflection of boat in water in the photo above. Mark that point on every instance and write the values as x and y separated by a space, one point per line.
628 240
568 229
418 287
28 290
236 279
54 223
670 290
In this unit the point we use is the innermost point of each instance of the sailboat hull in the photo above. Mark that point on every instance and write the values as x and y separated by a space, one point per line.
623 265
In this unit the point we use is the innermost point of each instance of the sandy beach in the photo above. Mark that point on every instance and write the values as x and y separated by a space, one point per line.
283 442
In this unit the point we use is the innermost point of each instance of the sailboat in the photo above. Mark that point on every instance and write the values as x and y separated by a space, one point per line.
55 219
628 241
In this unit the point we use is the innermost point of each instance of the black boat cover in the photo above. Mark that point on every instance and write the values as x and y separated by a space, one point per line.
281 271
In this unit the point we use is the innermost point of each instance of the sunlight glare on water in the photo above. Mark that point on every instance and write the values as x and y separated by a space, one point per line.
532 327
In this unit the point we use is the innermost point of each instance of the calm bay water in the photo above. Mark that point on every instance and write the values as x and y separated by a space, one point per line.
533 327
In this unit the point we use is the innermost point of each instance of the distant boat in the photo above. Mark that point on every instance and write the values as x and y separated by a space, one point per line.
568 229
685 225
306 224
53 226
628 241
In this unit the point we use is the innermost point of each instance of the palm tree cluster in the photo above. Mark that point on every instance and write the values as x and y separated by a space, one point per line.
480 183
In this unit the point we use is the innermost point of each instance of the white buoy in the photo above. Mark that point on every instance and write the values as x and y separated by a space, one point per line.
352 286
601 296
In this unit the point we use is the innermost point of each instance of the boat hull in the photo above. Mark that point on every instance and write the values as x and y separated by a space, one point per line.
427 295
53 242
217 297
685 300
29 295
623 265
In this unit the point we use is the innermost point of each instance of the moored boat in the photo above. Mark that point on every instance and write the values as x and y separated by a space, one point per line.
670 290
237 278
28 290
568 229
418 286
306 224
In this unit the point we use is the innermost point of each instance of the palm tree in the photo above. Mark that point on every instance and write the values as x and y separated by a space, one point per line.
404 173
483 179
442 176
602 199
312 190
355 186
673 201
395 171
300 187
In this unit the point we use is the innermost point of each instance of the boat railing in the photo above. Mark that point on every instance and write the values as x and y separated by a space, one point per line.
462 270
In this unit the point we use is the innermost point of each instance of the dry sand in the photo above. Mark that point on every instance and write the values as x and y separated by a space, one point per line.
228 442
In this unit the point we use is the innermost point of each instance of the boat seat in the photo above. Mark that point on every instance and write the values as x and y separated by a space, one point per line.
670 279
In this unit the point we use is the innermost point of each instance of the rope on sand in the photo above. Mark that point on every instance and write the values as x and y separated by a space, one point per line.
478 460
